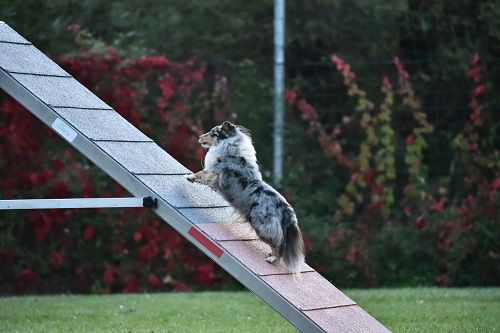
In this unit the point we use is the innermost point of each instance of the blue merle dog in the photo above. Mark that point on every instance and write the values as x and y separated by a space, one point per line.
231 168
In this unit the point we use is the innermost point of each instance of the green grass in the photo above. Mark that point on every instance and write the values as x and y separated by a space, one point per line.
401 310
433 309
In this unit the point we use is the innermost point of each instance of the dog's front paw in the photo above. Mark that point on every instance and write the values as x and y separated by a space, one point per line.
271 259
191 178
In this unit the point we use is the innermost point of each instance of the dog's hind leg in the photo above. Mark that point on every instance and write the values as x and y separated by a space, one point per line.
272 256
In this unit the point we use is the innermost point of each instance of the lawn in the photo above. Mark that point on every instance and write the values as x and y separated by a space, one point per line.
401 310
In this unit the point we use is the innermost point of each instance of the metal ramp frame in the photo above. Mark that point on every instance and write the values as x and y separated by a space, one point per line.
309 302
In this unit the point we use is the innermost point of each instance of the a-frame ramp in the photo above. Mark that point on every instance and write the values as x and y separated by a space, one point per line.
309 302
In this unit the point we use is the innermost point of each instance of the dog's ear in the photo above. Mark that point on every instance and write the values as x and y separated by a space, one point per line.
227 126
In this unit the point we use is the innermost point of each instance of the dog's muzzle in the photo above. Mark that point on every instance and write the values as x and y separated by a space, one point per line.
203 143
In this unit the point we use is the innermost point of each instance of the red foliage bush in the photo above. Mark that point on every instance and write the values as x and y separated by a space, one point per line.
96 250
450 235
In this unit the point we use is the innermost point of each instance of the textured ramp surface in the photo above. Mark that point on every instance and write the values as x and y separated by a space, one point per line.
308 301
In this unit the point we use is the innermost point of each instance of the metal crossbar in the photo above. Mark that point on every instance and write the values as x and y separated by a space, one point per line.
147 202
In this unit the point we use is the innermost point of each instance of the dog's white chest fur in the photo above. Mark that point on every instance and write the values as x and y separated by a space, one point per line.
242 148
211 157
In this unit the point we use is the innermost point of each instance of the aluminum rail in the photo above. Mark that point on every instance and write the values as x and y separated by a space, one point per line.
147 202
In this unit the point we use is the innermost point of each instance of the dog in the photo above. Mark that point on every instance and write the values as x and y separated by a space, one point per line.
231 168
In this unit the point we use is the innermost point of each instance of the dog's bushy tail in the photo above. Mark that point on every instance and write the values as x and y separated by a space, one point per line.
292 249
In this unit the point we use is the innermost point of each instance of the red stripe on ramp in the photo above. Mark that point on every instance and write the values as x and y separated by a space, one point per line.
207 243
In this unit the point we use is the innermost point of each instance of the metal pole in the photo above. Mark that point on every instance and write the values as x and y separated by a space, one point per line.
76 203
279 89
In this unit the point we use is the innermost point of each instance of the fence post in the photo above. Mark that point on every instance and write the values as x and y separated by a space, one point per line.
279 83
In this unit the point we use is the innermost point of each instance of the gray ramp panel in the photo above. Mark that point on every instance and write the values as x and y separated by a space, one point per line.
211 215
59 91
181 193
17 58
9 35
44 95
143 158
104 125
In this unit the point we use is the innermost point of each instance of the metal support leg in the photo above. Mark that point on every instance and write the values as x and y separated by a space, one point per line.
147 202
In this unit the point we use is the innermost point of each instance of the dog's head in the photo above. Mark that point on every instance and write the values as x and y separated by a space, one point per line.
221 132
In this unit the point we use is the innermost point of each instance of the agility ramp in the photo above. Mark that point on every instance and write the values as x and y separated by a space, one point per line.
309 302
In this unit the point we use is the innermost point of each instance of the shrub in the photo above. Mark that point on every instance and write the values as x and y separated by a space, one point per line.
126 250
427 233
